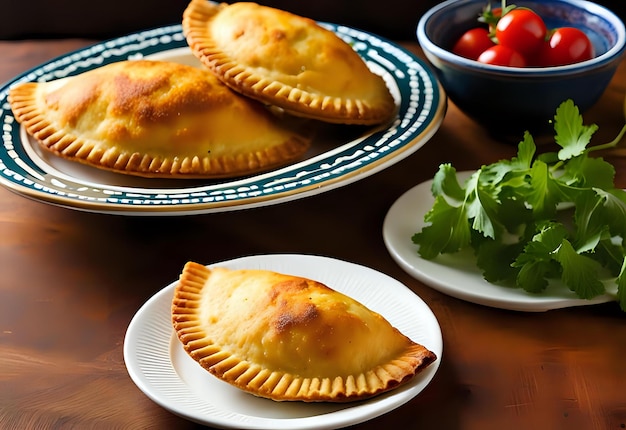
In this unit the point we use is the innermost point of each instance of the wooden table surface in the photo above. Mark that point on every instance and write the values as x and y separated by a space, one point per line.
71 282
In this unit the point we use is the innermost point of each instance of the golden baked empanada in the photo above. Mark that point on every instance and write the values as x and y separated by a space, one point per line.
285 337
155 119
286 60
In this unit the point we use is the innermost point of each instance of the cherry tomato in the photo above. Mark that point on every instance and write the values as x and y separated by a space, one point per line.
522 30
472 43
567 45
501 55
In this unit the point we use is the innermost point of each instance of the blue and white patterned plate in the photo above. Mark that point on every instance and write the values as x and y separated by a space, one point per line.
340 155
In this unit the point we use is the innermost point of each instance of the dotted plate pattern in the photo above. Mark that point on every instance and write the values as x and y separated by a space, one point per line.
421 107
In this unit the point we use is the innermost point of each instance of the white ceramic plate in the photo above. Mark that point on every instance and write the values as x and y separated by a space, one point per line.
457 274
161 368
338 155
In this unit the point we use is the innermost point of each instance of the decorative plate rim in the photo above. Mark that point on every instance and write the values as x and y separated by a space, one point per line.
421 107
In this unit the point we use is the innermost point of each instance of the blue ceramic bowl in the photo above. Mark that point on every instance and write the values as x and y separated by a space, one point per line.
509 100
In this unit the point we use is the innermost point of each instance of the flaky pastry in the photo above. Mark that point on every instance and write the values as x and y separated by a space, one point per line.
287 61
289 338
155 119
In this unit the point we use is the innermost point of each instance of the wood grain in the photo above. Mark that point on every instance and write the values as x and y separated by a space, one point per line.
70 282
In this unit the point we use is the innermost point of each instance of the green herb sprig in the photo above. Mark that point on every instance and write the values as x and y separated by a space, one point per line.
513 213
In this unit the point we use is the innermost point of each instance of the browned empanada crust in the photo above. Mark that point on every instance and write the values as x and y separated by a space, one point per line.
285 337
155 119
286 60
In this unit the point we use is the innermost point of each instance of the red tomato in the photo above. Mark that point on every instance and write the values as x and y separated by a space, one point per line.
567 45
472 43
501 55
522 30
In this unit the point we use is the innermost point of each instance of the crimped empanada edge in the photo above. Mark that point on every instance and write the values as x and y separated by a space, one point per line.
297 102
280 386
23 102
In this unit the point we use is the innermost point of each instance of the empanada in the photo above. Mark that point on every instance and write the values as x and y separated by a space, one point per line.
155 119
285 337
287 61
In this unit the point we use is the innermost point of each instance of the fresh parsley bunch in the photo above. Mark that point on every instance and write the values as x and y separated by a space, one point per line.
535 217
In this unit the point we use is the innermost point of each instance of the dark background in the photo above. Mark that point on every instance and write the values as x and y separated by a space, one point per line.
24 19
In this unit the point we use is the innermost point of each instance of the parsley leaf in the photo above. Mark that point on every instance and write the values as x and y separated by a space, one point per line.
496 260
447 230
445 183
580 273
621 287
571 134
536 217
544 193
